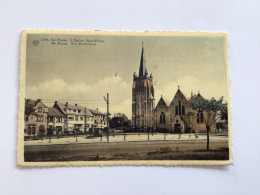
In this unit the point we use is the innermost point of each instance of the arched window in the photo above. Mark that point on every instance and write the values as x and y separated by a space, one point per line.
176 110
179 107
183 110
198 117
162 118
201 117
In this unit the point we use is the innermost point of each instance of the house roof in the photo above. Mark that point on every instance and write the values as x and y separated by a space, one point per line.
95 111
35 102
63 108
54 112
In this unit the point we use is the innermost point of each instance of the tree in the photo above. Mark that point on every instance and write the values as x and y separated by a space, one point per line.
214 110
29 108
120 121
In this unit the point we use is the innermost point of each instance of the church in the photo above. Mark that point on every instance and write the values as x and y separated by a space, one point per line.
176 116
143 98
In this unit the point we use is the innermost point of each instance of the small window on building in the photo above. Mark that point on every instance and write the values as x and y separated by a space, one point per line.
40 118
40 109
26 118
81 118
176 110
74 110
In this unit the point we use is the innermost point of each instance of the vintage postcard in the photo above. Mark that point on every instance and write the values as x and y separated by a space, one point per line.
97 98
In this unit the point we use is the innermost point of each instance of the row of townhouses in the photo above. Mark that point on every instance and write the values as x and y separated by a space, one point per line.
62 118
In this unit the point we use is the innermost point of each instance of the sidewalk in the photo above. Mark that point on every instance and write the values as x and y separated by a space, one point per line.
83 139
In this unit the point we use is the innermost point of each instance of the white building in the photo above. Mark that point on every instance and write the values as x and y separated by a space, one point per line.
99 119
75 116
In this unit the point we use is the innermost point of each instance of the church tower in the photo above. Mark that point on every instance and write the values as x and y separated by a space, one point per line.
142 98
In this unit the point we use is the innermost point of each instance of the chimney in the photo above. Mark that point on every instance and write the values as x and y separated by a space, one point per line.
76 104
97 108
56 102
39 100
67 104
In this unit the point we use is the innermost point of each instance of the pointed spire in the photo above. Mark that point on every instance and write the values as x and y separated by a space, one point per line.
142 70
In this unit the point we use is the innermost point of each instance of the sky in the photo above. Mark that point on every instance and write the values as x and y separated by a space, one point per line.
82 69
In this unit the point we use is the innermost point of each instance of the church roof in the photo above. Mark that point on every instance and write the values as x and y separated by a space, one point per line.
143 68
163 102
179 94
167 102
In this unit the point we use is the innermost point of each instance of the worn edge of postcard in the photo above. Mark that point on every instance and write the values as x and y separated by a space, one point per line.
20 145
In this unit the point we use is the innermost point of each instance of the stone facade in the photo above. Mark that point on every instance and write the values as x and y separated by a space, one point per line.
142 98
176 116
179 117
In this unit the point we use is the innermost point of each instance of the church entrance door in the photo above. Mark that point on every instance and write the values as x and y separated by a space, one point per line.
177 128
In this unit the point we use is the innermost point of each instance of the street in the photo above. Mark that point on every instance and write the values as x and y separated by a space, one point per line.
135 147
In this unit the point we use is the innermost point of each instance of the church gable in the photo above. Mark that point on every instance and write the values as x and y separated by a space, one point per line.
179 97
162 104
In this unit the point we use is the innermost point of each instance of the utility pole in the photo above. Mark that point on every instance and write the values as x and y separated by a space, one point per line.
107 101
85 119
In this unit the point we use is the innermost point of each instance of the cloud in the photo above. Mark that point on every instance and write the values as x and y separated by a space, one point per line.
86 94
191 84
